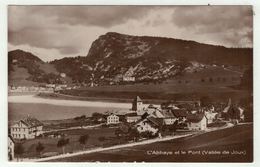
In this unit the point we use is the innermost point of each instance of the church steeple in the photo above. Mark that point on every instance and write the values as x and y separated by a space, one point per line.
137 104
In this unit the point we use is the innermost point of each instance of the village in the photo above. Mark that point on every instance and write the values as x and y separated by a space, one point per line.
30 138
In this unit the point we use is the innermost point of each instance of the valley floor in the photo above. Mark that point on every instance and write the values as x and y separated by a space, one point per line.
234 144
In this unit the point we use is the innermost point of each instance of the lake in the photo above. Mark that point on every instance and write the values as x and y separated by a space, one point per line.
17 111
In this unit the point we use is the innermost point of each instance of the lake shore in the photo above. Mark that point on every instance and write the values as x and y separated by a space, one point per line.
61 102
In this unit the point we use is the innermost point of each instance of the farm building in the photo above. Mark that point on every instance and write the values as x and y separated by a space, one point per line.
211 116
27 128
181 114
132 117
112 119
149 124
197 121
169 118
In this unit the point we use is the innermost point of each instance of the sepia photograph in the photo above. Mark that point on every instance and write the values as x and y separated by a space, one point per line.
130 83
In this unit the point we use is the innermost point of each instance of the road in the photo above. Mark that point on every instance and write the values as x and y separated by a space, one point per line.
125 145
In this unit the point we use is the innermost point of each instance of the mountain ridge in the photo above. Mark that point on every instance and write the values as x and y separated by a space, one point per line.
144 58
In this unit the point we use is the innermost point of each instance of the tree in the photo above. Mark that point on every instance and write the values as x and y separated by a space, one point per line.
134 134
173 127
247 79
83 140
39 148
205 101
122 131
62 143
96 116
18 150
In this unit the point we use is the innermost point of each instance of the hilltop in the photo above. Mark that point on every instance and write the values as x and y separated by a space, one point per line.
113 56
118 58
26 69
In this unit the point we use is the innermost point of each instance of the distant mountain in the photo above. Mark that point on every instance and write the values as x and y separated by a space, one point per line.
113 56
27 69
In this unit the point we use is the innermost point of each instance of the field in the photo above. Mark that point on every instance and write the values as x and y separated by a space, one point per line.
216 81
238 138
19 77
50 144
155 92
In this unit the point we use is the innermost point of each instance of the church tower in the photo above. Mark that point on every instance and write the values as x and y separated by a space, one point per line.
137 104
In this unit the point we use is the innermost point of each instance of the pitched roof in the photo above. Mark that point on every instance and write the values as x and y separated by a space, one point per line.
31 122
195 117
151 106
179 112
137 99
155 121
133 114
167 113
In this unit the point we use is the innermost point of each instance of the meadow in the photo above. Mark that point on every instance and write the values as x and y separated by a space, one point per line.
238 138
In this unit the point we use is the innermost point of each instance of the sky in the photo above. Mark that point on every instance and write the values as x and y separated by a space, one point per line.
54 32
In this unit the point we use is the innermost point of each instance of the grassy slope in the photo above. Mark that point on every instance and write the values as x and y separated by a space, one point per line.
50 144
19 77
238 138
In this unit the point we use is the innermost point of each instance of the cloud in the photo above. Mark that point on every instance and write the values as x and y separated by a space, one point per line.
234 22
64 27
70 30
103 16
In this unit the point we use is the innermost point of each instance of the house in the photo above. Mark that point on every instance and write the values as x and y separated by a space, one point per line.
112 119
128 78
10 148
132 117
211 116
156 113
27 128
180 114
63 75
197 121
169 118
149 124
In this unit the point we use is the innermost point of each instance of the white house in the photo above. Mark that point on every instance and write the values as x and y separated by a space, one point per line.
128 78
112 119
197 121
132 117
63 75
149 124
27 128
10 148
168 117
211 116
